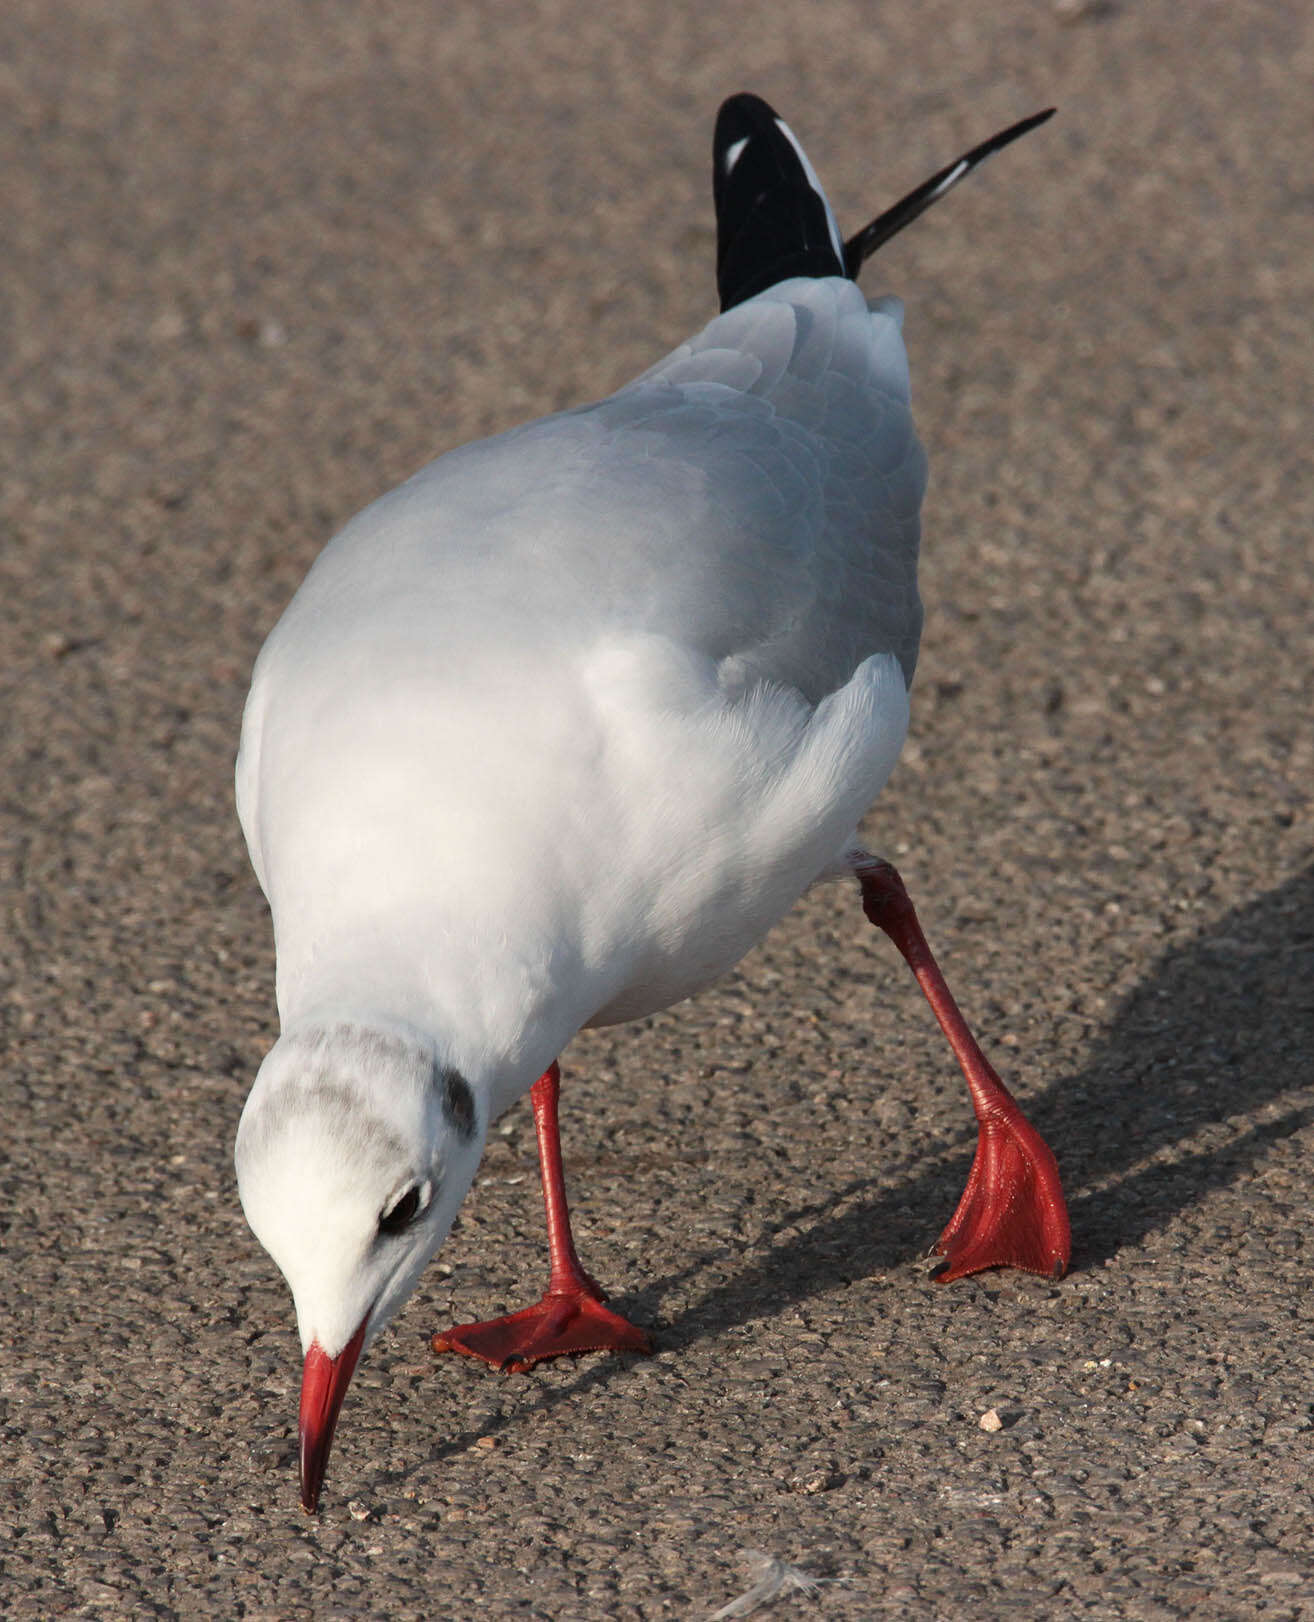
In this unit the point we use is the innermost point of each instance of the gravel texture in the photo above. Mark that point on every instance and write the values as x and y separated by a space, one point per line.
261 262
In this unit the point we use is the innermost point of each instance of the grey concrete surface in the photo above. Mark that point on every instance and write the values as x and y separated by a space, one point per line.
258 263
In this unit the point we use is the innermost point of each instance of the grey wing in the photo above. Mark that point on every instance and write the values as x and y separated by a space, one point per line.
755 497
790 419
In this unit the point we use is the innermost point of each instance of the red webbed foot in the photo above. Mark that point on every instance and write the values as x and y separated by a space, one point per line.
1012 1213
571 1316
559 1323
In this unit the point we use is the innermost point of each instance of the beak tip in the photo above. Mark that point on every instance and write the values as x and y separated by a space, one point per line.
311 1481
324 1383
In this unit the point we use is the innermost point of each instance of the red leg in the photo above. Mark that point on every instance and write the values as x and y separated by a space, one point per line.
1012 1213
571 1316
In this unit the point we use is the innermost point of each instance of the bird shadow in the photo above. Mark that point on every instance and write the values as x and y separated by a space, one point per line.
1213 1044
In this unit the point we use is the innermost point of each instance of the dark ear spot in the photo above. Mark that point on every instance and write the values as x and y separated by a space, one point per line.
458 1103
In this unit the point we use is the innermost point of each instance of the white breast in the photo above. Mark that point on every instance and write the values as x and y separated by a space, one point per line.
569 719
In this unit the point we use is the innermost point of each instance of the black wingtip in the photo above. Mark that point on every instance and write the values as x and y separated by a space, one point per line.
860 247
772 218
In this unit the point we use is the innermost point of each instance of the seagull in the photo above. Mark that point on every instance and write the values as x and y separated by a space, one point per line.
552 734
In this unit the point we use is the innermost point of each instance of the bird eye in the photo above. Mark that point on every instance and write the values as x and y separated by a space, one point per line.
404 1209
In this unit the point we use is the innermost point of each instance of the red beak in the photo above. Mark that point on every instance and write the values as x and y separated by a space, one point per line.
324 1382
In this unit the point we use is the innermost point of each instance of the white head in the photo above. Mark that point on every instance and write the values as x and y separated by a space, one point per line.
354 1152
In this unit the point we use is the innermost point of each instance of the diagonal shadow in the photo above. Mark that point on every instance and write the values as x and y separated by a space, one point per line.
1221 1029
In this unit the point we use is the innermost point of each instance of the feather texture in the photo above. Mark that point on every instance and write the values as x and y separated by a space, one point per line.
691 608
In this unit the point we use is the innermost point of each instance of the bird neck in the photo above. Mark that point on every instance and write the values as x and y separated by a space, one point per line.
499 1017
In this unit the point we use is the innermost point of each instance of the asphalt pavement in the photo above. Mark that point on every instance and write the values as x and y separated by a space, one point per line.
261 262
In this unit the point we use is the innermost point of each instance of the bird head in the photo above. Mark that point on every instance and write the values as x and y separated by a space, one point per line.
354 1152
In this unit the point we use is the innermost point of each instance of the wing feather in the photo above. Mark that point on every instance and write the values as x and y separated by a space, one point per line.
754 495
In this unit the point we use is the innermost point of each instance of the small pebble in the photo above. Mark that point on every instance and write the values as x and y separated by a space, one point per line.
990 1420
168 324
486 1441
358 1511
